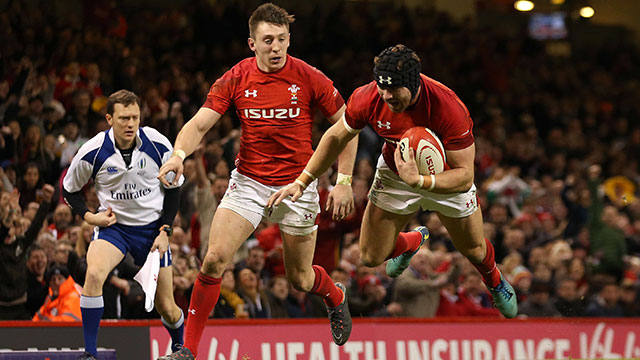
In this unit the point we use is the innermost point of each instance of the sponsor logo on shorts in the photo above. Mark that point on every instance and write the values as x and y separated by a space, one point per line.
233 186
377 185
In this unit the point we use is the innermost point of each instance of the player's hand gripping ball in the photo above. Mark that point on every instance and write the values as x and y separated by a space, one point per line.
430 155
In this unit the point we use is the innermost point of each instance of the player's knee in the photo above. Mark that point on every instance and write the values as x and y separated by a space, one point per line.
370 259
213 264
95 277
300 282
475 254
164 306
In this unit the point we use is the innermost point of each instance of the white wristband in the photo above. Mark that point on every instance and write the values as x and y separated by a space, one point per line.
433 182
344 179
420 182
180 153
309 174
299 182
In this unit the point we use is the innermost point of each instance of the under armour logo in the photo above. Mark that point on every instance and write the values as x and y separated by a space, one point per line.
470 203
384 81
308 216
386 125
252 93
192 311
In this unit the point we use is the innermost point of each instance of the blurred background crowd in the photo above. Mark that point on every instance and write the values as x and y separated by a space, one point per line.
557 136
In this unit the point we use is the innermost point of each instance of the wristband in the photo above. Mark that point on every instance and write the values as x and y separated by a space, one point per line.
420 182
301 183
180 153
344 179
309 174
433 182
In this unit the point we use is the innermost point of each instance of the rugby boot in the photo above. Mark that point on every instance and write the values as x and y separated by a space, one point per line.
398 264
340 319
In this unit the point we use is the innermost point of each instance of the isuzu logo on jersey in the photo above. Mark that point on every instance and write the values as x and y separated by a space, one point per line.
294 93
252 93
386 125
289 113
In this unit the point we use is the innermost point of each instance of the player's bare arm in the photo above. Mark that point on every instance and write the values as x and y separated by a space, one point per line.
341 197
186 142
458 178
334 140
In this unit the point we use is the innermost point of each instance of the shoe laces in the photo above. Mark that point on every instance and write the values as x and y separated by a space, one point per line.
335 319
504 291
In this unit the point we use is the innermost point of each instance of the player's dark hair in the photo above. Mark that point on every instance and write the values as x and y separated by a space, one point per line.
398 66
269 13
124 97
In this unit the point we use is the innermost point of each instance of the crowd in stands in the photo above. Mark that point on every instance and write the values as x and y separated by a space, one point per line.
557 162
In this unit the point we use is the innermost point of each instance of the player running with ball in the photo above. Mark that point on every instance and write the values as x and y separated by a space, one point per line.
274 95
400 98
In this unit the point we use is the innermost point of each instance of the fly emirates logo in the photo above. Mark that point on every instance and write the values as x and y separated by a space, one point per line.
289 113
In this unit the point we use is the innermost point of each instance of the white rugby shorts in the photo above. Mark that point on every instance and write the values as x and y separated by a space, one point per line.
390 193
248 198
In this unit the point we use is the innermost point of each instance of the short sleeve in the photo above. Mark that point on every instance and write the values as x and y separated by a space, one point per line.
81 168
355 119
457 126
220 96
326 96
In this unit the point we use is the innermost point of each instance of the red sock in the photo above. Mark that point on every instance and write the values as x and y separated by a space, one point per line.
204 297
488 268
325 288
407 241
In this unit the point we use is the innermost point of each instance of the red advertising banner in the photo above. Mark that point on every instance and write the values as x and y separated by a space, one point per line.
405 339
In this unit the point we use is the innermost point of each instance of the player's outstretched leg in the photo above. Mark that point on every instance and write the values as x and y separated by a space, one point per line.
340 319
398 263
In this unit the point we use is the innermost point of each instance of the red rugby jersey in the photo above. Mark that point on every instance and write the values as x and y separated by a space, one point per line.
276 113
437 108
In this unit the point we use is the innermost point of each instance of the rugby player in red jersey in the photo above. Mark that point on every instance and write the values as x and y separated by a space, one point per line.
274 95
399 98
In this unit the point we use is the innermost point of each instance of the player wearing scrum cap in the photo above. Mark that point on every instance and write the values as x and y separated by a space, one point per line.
274 95
399 98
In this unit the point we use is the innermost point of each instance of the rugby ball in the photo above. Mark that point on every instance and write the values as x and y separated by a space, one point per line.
429 152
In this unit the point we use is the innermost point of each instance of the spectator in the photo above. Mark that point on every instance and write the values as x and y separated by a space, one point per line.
607 241
255 261
606 302
537 303
282 305
256 300
417 290
63 302
230 304
30 185
37 288
62 219
13 267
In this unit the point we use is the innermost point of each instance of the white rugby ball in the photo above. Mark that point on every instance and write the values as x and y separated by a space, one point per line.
429 152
